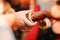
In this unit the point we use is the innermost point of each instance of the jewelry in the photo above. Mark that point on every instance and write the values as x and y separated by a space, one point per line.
48 24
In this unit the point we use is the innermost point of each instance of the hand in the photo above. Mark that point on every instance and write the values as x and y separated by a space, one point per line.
22 19
41 14
56 27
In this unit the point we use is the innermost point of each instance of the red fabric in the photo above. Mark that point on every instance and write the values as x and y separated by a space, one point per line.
57 38
32 35
36 7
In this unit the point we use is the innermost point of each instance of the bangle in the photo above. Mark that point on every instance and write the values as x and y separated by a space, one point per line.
30 16
48 24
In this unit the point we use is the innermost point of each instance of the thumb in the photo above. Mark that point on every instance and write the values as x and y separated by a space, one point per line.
29 23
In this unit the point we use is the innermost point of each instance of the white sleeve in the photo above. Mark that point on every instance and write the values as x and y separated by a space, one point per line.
6 32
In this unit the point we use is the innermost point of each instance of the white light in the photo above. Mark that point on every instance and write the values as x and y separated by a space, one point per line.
45 4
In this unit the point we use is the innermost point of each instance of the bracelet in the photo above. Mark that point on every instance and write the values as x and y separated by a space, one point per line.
30 16
48 24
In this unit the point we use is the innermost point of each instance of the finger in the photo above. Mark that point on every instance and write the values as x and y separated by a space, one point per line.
29 23
29 11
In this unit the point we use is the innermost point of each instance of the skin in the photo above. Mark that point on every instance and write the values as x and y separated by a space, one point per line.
9 19
56 27
54 13
18 16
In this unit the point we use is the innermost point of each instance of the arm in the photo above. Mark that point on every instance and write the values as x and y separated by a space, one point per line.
18 19
6 21
46 13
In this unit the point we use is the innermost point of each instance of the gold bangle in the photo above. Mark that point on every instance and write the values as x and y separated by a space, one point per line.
30 17
48 24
